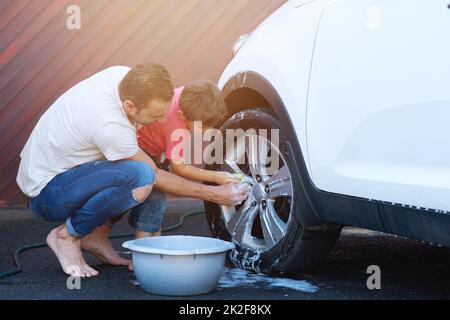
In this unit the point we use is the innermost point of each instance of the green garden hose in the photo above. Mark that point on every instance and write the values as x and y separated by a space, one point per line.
27 247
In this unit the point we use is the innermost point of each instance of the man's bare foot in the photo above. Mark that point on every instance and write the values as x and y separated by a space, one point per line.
98 244
68 251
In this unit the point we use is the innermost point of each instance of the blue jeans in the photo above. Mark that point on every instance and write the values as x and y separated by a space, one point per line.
89 195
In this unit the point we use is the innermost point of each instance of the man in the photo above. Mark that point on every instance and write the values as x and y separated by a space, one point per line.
82 163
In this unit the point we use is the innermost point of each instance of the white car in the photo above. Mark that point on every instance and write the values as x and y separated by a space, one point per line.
360 90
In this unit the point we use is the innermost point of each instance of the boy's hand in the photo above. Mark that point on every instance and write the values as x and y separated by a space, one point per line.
231 194
223 177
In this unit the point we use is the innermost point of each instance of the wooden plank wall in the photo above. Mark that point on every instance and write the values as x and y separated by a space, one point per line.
40 57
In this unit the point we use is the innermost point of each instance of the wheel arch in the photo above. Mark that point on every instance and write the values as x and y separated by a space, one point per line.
250 90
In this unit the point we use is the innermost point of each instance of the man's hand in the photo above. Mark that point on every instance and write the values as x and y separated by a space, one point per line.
231 194
223 177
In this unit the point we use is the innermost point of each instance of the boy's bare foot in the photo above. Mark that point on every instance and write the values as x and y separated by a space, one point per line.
98 244
68 251
143 234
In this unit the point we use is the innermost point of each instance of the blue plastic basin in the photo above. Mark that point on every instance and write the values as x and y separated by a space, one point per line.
178 265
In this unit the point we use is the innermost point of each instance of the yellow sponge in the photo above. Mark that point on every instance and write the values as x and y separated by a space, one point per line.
239 176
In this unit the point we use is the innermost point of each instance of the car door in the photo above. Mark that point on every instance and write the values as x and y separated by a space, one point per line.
378 108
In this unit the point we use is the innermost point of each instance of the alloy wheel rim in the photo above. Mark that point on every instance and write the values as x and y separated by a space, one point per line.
261 221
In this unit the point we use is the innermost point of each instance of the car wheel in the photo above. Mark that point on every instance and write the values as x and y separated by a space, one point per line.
266 228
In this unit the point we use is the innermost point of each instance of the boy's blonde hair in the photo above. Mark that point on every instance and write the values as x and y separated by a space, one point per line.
201 100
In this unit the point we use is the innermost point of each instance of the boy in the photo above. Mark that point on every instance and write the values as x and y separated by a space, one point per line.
198 101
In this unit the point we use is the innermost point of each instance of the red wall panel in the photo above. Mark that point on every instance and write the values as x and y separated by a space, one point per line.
40 58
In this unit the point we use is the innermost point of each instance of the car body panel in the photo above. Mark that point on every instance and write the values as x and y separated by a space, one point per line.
379 102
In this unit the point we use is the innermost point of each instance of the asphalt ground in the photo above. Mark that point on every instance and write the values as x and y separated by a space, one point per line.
410 269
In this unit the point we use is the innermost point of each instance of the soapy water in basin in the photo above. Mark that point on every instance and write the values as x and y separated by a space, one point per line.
179 245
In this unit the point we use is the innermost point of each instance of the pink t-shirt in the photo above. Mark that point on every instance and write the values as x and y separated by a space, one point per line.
156 138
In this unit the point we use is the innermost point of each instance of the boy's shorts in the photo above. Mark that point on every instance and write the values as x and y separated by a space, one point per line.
148 216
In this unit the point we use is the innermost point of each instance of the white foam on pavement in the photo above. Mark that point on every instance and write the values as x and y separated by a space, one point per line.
234 277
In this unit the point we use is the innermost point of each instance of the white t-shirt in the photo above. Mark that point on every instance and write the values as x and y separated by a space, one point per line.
86 123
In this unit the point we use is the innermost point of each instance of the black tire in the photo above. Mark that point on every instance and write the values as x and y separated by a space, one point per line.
300 249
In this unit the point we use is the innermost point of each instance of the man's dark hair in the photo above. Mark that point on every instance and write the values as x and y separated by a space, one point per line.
146 82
